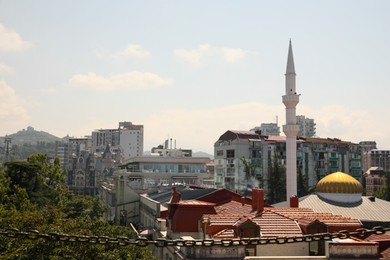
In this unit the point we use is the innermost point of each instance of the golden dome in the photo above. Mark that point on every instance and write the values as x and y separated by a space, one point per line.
339 182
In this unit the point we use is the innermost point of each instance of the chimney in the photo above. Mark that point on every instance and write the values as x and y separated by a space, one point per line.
254 198
294 201
260 200
175 195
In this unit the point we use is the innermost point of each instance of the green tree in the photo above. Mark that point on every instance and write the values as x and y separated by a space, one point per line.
276 181
384 191
302 183
32 197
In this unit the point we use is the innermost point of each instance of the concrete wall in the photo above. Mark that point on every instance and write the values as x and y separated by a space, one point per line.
289 249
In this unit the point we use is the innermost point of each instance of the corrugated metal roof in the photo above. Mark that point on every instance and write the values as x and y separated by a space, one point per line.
366 210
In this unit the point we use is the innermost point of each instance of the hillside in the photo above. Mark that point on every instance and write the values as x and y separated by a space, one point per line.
30 136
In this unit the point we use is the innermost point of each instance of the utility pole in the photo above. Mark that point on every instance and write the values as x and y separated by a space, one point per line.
7 142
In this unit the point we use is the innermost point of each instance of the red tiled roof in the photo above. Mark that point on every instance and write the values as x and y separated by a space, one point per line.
234 208
226 233
275 225
195 203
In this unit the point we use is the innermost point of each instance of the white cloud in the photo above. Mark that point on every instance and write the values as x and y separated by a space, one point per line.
203 53
196 56
336 121
126 81
4 68
199 129
233 55
134 51
12 111
11 40
202 128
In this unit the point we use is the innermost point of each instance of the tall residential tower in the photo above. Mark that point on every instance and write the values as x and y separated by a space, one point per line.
291 129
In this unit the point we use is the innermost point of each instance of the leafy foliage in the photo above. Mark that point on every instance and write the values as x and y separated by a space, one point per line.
384 191
276 181
32 197
302 183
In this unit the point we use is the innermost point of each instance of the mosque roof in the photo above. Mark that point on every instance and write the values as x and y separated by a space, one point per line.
339 182
369 209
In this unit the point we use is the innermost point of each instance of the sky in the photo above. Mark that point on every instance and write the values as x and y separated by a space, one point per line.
191 70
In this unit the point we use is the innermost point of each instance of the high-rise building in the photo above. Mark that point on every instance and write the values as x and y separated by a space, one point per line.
379 158
307 127
366 146
128 137
268 129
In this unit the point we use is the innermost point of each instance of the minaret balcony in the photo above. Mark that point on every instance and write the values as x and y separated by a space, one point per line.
291 130
291 100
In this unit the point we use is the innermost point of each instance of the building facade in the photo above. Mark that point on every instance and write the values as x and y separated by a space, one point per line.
366 146
307 127
268 129
315 158
379 158
129 138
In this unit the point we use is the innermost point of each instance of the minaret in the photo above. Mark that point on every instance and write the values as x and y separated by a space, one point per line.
291 129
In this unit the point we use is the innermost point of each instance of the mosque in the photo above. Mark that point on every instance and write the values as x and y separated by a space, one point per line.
339 193
337 205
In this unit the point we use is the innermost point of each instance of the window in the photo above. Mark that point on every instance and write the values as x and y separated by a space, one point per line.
220 153
229 153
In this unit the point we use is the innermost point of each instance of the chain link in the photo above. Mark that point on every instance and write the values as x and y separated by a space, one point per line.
161 242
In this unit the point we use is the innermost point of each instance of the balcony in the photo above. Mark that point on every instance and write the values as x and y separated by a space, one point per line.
333 159
230 174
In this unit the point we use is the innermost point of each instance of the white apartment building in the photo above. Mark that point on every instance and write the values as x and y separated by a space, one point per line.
366 147
316 158
129 137
268 129
379 158
307 127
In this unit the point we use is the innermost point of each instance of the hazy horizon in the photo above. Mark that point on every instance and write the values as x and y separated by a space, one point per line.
191 70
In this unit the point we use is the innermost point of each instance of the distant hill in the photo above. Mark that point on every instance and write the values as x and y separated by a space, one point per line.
202 154
30 136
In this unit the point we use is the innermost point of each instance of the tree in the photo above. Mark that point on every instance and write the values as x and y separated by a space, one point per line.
32 197
276 181
251 178
302 183
384 191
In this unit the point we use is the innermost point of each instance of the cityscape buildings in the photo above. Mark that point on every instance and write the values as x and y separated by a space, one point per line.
316 158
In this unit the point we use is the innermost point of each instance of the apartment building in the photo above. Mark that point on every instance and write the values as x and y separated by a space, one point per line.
129 138
268 129
366 147
307 127
316 158
379 158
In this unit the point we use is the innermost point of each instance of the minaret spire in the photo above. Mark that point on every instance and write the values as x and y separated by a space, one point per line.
291 129
290 61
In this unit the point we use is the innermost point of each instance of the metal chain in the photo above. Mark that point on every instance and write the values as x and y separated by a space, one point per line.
161 242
